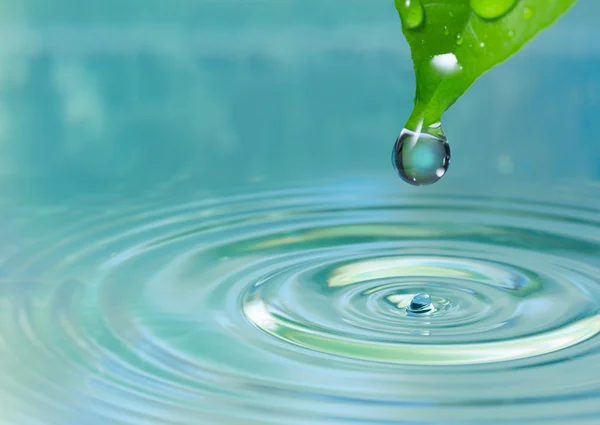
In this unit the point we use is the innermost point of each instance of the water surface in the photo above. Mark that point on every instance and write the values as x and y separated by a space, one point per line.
289 306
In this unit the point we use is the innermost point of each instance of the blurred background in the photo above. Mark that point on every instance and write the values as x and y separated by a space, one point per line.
146 95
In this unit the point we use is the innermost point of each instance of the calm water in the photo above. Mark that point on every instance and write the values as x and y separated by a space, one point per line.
200 224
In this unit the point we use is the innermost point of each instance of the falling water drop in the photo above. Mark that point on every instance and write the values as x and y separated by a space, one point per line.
421 157
411 13
492 9
421 303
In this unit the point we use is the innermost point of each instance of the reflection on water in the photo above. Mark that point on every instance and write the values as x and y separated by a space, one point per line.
285 307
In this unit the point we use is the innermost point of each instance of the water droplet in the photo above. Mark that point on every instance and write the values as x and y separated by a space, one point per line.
527 13
482 44
459 39
492 9
421 157
446 30
411 13
511 34
421 303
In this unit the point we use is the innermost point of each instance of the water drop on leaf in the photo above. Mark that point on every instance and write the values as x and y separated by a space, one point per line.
469 22
411 13
492 9
421 157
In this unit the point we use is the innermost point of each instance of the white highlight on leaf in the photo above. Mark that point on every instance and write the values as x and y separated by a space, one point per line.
446 63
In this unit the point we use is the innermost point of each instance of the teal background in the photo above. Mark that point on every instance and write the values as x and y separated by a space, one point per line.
136 96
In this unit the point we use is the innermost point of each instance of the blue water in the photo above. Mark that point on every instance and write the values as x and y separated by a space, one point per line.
199 221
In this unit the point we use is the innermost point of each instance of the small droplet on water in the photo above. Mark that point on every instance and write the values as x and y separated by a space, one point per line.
411 13
422 157
421 303
492 9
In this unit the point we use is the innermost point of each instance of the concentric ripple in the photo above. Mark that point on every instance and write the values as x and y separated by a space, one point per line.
478 316
292 307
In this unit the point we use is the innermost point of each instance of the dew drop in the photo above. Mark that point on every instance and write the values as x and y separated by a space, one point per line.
527 13
446 30
459 39
511 34
421 157
492 9
482 44
421 303
411 13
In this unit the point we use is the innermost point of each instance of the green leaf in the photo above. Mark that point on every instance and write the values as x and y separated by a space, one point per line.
453 42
